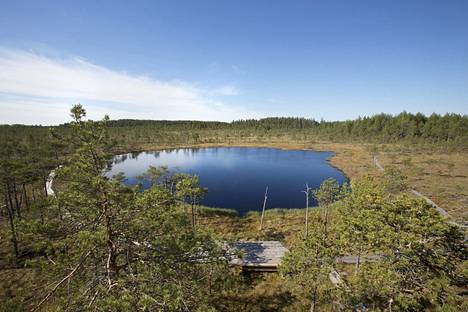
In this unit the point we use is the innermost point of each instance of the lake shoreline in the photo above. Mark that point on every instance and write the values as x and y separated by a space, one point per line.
356 159
351 159
242 172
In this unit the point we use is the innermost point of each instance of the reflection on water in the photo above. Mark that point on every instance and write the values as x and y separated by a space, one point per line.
236 177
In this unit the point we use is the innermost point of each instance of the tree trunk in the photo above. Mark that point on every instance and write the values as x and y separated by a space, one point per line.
314 300
45 186
10 199
11 218
25 195
263 210
307 213
17 203
193 213
326 219
21 199
111 266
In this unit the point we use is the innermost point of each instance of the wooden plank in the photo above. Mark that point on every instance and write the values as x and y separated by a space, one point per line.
259 255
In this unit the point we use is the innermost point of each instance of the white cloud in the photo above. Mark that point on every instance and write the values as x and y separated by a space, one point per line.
224 91
39 89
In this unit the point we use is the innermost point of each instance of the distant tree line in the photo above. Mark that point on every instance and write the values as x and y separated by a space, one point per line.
448 129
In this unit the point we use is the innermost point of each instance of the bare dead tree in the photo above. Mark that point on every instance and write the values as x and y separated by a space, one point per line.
263 210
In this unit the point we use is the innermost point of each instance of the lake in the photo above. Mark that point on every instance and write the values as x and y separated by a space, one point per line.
236 177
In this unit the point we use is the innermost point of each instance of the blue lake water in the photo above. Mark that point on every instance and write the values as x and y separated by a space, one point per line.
236 177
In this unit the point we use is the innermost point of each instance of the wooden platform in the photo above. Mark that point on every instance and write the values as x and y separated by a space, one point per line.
261 256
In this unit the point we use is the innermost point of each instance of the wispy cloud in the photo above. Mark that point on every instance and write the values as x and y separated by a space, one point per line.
224 91
38 89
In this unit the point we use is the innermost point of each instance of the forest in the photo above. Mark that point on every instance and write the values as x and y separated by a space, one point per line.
96 244
449 131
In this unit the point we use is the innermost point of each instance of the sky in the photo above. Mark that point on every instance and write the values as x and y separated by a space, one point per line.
227 60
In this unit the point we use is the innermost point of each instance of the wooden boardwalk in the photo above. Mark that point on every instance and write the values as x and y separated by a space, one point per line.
439 209
265 256
261 256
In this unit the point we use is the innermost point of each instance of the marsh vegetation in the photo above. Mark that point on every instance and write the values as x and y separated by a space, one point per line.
102 245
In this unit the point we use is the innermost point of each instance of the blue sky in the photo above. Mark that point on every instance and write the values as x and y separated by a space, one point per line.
224 60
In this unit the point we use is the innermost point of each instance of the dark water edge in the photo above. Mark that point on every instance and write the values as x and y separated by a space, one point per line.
236 177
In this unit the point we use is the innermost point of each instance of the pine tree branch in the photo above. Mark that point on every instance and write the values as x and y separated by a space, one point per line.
62 281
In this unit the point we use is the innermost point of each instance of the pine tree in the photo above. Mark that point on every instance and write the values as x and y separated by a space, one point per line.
116 248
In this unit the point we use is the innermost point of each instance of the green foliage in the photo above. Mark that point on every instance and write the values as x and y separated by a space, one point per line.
418 252
24 166
329 192
188 189
406 256
106 246
309 265
156 175
102 245
312 260
394 180
188 186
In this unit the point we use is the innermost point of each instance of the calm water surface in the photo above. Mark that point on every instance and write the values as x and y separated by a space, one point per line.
236 177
